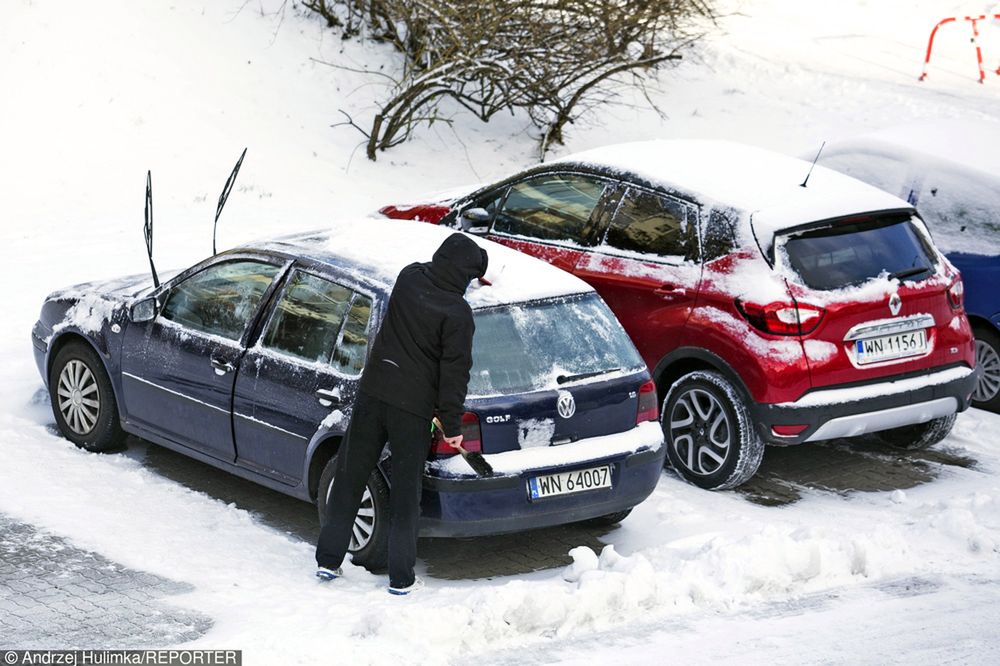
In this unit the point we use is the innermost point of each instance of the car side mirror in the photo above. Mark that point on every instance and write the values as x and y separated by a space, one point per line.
475 220
144 310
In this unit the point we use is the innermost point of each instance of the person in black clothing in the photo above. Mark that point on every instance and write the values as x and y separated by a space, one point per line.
419 364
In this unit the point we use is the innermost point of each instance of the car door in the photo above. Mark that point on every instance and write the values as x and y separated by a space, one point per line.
301 373
178 369
552 216
647 268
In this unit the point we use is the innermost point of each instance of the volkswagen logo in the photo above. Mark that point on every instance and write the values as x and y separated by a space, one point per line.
895 303
565 404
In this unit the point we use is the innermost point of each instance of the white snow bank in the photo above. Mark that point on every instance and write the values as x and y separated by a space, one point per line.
645 436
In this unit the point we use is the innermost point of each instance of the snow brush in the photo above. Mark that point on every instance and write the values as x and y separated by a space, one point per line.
475 459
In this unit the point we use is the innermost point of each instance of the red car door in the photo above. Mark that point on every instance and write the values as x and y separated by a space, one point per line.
647 269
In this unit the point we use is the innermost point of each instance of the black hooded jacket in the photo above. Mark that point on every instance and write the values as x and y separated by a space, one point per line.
422 355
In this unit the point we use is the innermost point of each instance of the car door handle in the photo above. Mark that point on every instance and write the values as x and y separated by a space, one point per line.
222 367
328 398
670 291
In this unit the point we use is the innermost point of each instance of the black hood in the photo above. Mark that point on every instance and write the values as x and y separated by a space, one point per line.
457 262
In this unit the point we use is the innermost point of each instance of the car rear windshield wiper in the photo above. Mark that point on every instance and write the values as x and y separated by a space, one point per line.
909 272
562 379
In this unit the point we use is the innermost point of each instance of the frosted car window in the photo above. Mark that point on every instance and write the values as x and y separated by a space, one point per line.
220 299
850 254
308 318
555 207
652 224
349 355
962 212
526 347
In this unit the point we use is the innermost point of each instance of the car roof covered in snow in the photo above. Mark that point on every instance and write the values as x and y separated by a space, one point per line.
763 184
378 248
963 145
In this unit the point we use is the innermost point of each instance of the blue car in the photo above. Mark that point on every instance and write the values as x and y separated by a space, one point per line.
950 172
250 360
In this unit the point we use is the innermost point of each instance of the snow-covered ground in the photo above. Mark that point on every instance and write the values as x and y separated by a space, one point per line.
92 97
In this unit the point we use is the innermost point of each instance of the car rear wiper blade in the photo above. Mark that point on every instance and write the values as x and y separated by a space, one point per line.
909 272
562 379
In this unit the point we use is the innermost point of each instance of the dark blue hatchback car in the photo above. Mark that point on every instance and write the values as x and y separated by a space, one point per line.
249 361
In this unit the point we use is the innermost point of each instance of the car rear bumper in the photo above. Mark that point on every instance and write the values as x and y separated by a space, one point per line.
472 506
856 410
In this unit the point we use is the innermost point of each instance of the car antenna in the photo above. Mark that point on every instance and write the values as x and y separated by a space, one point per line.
226 189
813 165
147 228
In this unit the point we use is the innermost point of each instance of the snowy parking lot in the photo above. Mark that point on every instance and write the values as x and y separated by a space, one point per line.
841 551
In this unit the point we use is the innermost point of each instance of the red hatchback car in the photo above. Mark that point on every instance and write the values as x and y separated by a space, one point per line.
770 309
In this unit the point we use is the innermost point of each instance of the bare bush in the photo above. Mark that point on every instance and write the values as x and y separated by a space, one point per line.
557 59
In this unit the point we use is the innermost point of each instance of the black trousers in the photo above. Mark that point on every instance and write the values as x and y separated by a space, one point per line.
372 424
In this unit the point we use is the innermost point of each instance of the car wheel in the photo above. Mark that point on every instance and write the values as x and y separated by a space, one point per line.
920 435
608 519
710 438
83 402
369 545
987 392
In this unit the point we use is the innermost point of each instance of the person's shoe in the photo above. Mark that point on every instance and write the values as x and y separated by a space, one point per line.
329 574
417 584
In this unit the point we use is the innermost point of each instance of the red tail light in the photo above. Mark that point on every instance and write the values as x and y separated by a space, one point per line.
472 438
782 318
956 292
648 407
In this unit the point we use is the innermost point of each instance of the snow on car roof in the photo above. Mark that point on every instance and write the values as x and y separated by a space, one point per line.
762 183
969 145
382 247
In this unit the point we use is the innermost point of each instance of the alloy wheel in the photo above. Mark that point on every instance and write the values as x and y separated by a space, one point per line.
700 432
78 397
989 381
364 522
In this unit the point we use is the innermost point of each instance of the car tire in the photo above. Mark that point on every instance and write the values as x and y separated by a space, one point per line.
710 438
608 519
83 402
987 392
920 435
373 516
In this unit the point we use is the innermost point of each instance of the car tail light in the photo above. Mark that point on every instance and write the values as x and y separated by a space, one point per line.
782 318
472 438
648 408
955 294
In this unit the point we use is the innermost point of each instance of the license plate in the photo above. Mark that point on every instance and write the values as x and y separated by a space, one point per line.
889 347
567 483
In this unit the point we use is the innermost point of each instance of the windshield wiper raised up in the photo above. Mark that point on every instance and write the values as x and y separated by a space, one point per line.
562 379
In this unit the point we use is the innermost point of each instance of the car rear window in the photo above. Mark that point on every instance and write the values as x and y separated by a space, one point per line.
849 254
530 346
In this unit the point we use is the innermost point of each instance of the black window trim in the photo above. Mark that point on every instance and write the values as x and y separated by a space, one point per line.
667 260
595 215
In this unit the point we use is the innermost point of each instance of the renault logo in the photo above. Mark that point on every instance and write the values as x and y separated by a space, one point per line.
895 303
566 405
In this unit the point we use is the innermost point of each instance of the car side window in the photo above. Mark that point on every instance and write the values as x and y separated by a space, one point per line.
349 354
651 224
308 318
221 299
719 237
555 207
